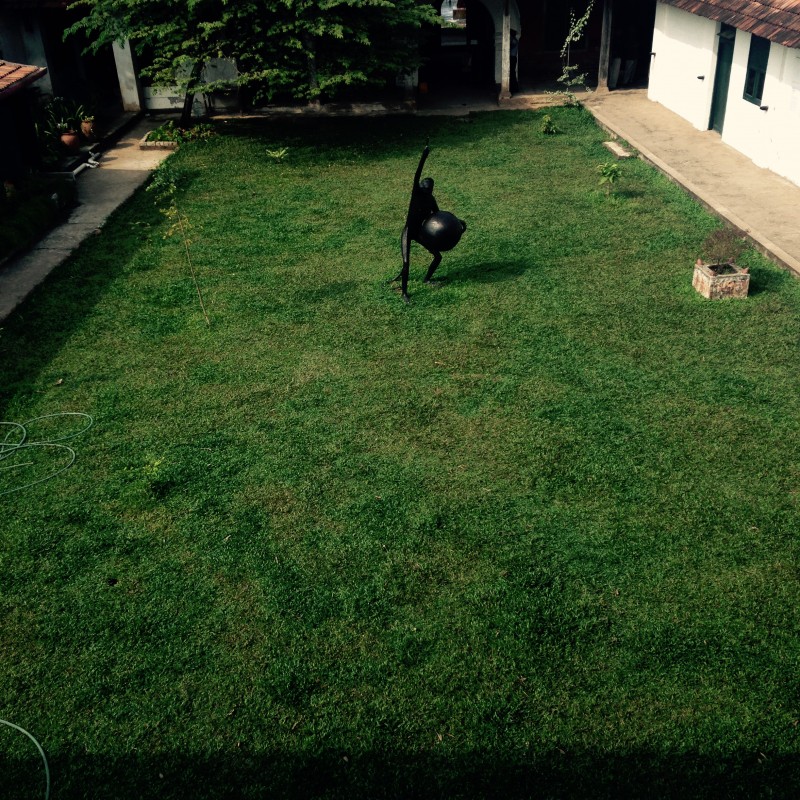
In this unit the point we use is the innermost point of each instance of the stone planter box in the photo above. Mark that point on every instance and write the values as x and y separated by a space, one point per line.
720 281
146 145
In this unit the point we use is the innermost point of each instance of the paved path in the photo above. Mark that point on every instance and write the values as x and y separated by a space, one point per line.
760 203
763 205
123 168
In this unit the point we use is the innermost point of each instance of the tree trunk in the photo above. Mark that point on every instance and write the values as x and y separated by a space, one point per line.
191 89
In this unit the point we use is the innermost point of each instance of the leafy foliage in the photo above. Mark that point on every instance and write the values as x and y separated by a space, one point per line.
570 78
306 49
547 126
610 173
171 132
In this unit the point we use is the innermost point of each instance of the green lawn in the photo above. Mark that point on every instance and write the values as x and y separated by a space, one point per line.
533 535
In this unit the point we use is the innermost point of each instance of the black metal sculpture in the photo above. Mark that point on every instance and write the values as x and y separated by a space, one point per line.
437 231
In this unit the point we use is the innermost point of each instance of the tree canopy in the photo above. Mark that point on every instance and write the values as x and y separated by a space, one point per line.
306 49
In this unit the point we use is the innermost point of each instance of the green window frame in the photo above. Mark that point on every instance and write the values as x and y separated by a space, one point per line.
756 69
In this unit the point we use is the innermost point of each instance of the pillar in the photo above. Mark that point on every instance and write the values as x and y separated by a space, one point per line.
126 75
605 47
505 58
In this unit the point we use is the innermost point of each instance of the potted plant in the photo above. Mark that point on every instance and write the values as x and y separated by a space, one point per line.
64 121
716 274
87 125
69 136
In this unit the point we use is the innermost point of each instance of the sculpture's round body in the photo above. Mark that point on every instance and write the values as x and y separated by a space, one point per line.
441 231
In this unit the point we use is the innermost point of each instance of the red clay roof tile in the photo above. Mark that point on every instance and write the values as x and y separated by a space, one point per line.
15 76
776 20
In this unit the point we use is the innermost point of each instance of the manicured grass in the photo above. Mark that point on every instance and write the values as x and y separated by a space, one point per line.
532 535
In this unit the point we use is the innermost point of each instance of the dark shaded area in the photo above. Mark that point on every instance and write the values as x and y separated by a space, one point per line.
391 774
762 280
487 272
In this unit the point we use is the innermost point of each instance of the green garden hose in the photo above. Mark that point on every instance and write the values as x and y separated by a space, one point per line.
9 448
41 753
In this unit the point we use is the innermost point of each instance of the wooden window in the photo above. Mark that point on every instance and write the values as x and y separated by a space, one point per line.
756 69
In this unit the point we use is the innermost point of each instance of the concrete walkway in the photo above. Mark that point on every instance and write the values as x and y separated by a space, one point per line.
761 204
123 168
758 202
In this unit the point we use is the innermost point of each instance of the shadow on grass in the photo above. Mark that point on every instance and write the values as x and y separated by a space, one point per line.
390 774
763 281
307 136
485 272
35 332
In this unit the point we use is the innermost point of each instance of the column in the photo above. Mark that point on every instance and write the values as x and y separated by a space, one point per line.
126 75
605 47
505 58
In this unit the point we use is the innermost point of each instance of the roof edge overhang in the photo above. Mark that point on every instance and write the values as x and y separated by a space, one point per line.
28 74
776 20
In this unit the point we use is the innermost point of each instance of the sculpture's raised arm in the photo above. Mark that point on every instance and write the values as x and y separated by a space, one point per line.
421 166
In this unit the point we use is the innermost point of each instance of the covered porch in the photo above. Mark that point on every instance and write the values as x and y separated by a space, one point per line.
474 49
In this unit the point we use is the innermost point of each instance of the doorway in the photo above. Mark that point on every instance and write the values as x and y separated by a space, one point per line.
722 77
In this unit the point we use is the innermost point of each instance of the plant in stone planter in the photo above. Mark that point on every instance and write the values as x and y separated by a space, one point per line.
716 273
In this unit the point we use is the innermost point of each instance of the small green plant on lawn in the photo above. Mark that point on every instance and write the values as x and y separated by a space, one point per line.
610 174
165 186
278 155
547 125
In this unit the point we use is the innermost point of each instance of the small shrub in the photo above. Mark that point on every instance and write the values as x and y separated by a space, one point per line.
610 173
547 126
570 78
278 155
722 246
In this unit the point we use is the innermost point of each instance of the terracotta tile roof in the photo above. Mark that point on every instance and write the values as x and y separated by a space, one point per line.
15 76
776 20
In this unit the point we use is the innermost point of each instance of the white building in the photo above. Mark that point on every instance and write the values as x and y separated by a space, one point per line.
736 72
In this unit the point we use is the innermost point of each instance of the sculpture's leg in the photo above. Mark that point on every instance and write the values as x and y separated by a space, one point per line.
437 259
405 249
404 252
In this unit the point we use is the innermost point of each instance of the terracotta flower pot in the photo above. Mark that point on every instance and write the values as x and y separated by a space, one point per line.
71 141
87 128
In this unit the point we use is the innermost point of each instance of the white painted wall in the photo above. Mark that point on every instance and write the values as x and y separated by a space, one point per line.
170 98
685 48
770 138
746 126
784 114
